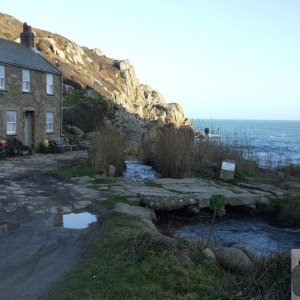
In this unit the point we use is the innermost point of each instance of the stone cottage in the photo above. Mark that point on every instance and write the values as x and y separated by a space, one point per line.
30 92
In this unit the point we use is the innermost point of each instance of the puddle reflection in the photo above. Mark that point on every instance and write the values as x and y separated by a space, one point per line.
74 221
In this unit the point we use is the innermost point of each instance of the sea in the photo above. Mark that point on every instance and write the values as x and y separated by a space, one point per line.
270 142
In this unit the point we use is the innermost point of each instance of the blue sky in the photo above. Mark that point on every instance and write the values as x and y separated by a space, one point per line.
221 59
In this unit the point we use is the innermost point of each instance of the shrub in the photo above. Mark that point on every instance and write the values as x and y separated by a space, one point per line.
209 154
107 149
174 152
87 117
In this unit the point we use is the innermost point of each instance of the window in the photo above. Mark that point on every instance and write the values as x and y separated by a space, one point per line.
50 84
11 122
26 80
49 121
2 77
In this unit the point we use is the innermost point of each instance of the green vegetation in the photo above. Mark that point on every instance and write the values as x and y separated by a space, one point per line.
104 180
288 210
217 204
77 169
175 153
111 202
74 98
122 266
130 261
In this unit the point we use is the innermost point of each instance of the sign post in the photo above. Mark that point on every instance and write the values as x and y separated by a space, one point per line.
227 169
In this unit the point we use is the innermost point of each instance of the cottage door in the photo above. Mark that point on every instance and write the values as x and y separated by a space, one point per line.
28 129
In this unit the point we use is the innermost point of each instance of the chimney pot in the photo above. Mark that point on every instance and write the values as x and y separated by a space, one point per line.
26 28
27 37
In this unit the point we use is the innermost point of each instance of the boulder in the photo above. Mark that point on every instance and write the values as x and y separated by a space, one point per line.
209 255
235 260
136 211
111 171
193 210
290 185
67 89
75 130
97 51
167 204
81 204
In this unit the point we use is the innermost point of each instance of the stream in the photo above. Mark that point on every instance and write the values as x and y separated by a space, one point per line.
255 233
136 171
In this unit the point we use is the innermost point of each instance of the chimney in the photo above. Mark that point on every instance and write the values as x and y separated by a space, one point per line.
27 37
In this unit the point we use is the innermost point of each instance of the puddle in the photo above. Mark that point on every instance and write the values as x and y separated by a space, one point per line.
74 221
9 226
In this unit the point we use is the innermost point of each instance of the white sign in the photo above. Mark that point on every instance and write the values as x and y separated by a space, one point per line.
295 259
228 165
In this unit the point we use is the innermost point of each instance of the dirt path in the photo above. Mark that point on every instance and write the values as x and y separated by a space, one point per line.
36 257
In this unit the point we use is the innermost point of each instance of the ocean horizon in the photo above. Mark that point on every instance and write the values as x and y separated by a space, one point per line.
275 141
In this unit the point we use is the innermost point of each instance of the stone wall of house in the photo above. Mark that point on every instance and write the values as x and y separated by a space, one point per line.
35 103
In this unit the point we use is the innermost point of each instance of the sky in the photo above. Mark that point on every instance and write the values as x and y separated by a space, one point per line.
220 59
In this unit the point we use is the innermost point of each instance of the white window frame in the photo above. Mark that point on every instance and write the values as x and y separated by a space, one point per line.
49 122
25 80
11 122
50 87
2 77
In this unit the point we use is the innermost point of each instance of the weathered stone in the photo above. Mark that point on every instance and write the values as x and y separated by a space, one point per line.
263 202
111 171
81 204
75 130
193 210
166 204
179 193
60 209
209 255
235 260
136 211
290 185
97 51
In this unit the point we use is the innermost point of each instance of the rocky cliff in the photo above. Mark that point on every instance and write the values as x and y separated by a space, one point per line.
115 80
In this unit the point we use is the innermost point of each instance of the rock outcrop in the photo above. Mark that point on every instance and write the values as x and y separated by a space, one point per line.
145 214
114 80
196 192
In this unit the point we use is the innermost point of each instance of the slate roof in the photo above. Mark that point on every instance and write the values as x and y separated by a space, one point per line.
19 55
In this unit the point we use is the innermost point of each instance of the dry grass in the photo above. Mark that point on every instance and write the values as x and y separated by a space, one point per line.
209 154
107 149
177 154
174 150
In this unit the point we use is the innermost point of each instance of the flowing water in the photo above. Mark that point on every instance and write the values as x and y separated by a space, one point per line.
136 171
258 235
254 232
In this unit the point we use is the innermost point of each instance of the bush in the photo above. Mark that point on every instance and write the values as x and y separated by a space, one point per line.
87 117
174 152
107 149
209 155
